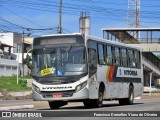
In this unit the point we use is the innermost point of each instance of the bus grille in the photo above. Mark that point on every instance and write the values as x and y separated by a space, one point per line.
49 94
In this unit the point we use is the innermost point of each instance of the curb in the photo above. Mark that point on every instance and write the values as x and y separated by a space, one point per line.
137 98
17 107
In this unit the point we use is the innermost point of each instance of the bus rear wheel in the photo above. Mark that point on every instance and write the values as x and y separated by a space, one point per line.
56 104
130 99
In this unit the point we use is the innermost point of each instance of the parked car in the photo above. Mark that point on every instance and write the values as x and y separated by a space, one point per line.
147 89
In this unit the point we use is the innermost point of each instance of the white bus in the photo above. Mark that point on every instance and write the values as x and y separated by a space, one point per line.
74 67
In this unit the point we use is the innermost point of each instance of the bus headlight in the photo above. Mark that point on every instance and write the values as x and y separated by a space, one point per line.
36 88
81 86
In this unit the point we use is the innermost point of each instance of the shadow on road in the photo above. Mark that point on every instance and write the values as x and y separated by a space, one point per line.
85 108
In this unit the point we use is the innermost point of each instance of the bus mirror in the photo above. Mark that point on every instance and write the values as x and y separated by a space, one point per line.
92 55
28 58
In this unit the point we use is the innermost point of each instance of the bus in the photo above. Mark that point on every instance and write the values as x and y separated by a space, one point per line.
83 68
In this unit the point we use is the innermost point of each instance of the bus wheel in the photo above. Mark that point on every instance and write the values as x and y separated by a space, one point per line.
130 99
56 104
90 103
99 102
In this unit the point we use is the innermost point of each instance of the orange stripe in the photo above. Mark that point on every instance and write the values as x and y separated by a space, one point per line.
109 74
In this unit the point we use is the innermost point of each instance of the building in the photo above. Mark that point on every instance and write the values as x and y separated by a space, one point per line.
11 53
9 44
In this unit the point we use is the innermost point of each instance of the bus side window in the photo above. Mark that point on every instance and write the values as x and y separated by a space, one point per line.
101 54
117 56
131 58
124 57
128 59
109 55
113 55
137 59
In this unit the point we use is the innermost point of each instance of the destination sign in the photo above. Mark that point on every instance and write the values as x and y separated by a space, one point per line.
58 40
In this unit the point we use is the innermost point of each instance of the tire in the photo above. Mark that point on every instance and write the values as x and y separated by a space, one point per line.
130 99
97 103
122 101
88 103
56 104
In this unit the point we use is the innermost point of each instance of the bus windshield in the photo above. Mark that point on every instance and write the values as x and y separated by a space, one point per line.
59 61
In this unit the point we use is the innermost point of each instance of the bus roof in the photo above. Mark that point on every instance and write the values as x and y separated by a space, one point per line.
112 42
94 38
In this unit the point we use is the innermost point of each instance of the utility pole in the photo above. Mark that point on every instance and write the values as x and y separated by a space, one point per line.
60 18
133 13
23 55
18 67
133 16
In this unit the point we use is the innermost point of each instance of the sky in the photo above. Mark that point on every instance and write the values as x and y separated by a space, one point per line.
40 17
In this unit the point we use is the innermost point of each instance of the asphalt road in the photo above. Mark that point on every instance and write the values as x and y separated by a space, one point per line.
139 105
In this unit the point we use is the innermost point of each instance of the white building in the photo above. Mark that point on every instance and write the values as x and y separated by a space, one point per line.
9 43
11 39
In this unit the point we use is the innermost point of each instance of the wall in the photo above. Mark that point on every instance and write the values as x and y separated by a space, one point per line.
8 67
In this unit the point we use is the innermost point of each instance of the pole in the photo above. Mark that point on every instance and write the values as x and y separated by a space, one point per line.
150 83
60 18
18 66
23 55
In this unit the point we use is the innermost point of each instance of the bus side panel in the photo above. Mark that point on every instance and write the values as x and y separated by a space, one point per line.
93 87
125 89
102 77
138 89
119 89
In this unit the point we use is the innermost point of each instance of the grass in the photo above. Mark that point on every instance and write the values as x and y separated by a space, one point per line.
10 84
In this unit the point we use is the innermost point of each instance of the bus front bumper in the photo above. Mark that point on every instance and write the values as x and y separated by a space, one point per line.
48 96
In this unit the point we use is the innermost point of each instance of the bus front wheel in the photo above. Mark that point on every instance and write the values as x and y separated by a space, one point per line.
56 104
95 102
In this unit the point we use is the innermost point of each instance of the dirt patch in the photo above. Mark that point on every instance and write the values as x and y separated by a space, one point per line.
9 97
150 97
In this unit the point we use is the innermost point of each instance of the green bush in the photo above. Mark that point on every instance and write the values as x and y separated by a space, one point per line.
23 82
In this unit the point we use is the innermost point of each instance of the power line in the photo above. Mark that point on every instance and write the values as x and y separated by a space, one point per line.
96 9
21 16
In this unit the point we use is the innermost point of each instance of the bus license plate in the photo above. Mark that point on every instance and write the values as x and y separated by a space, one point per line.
57 95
